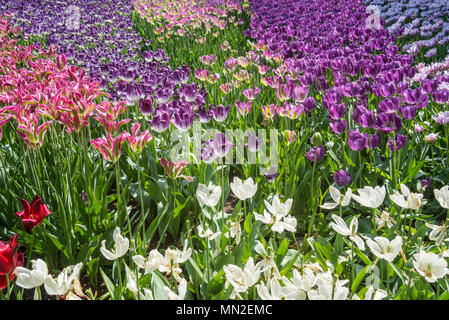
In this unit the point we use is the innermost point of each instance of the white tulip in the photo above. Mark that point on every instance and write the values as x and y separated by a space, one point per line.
340 227
33 278
298 285
438 233
338 199
64 282
430 265
379 294
240 279
152 263
277 215
208 195
442 196
278 208
384 248
245 190
182 290
370 197
208 233
406 199
121 246
274 292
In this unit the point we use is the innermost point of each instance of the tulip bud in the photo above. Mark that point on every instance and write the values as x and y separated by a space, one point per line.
317 139
431 138
419 187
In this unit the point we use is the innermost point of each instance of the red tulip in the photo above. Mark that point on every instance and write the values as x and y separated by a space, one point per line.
9 260
33 213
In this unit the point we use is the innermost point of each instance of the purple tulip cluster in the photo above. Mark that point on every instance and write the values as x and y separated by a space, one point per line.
369 74
409 18
98 35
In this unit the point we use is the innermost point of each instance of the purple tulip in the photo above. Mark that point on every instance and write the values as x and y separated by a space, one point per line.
408 112
183 119
254 143
387 122
315 154
390 105
221 145
338 126
342 178
337 111
163 94
443 117
356 140
309 104
220 113
374 140
411 96
429 85
190 92
160 122
146 105
400 141
440 96
204 115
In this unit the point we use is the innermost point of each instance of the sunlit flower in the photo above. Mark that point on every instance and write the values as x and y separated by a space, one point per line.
384 220
245 190
241 280
438 233
370 197
208 233
65 281
430 265
277 215
121 246
338 199
406 199
341 228
182 290
442 196
384 248
208 195
33 278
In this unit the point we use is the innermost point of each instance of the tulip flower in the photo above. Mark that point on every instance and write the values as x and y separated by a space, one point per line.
339 225
33 213
208 233
241 280
137 142
208 195
277 215
338 199
370 197
9 260
385 249
121 246
442 196
438 233
245 190
342 178
182 290
221 145
33 278
430 265
110 148
172 258
406 199
174 169
66 281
